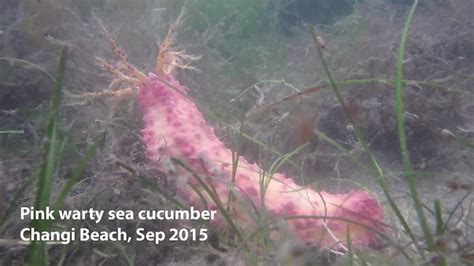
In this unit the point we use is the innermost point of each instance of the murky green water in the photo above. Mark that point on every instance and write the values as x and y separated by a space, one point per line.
261 84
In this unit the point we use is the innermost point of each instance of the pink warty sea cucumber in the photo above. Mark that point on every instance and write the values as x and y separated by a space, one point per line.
175 128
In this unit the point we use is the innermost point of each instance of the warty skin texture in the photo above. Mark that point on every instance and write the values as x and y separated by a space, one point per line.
175 128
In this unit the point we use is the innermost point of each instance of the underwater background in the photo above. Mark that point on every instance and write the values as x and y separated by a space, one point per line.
261 83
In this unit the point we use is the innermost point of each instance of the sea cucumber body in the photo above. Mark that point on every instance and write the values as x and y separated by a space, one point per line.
174 127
